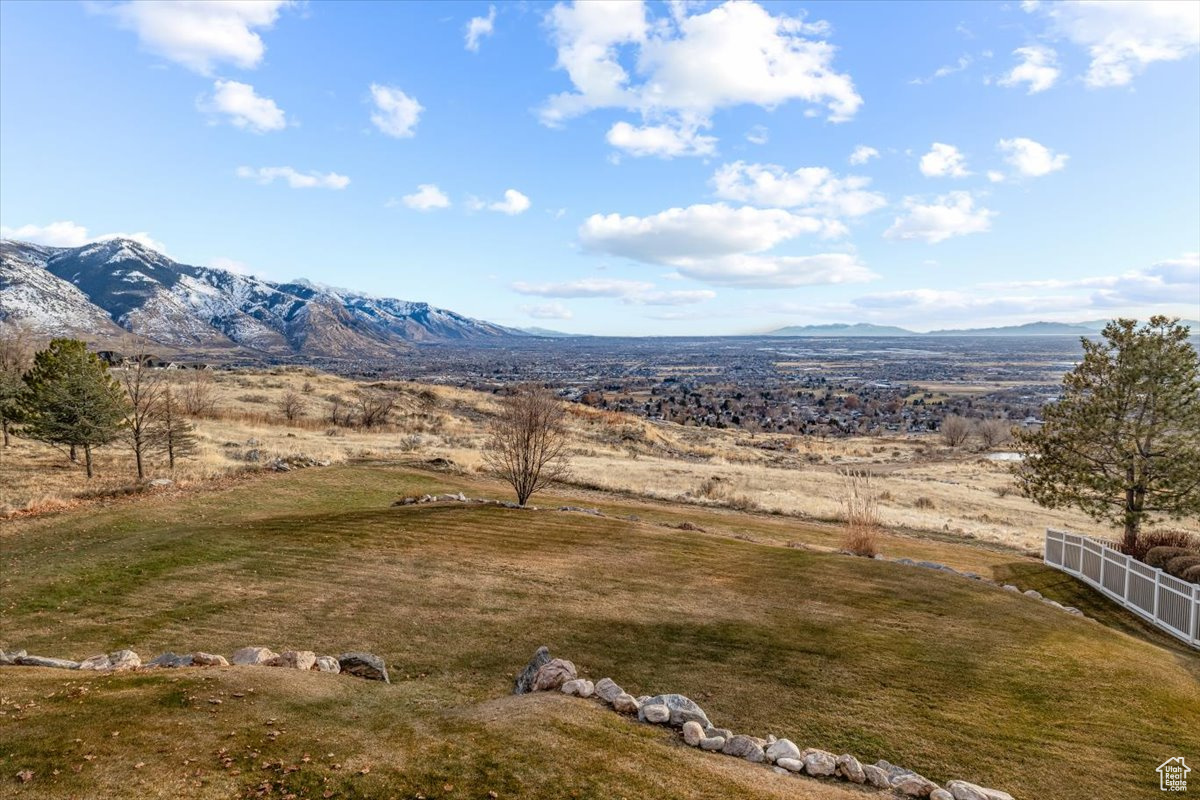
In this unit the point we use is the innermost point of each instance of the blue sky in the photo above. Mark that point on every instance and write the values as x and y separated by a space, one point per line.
684 168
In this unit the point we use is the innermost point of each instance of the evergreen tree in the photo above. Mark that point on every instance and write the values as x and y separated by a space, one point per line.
16 356
71 400
1122 443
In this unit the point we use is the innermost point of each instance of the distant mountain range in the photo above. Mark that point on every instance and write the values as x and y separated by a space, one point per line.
103 291
863 329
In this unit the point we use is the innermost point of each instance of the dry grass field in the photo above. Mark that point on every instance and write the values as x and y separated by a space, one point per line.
949 676
923 485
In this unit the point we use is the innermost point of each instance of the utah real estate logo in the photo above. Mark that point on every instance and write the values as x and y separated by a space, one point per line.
1172 775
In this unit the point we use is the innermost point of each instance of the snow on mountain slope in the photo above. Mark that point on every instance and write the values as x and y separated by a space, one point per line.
119 284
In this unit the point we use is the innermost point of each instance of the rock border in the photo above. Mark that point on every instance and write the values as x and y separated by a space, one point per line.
544 673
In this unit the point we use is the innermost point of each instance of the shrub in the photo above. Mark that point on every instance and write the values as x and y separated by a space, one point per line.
860 507
923 502
955 430
1159 556
1191 574
1176 566
1148 540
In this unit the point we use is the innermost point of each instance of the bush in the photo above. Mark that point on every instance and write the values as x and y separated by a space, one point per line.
1191 574
1148 540
1178 565
860 508
923 502
1159 556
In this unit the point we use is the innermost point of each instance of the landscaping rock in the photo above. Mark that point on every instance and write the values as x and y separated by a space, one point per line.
913 785
10 657
252 656
579 687
171 660
158 482
1008 587
848 767
552 675
940 794
654 713
524 683
876 777
209 660
962 790
819 763
682 709
693 733
625 704
327 664
782 748
364 665
724 733
791 764
1036 595
606 690
43 661
747 747
294 659
712 743
116 662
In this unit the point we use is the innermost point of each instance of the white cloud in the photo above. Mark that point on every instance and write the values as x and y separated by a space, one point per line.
758 135
513 203
862 154
723 245
995 176
674 297
944 160
294 178
1030 158
664 141
231 265
1038 68
953 214
480 27
689 65
427 197
396 114
547 311
198 34
245 108
944 71
815 189
638 293
69 234
1123 37
1173 282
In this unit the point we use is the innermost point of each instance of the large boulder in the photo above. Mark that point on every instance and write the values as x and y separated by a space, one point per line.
747 747
819 763
44 661
693 733
294 659
783 748
552 675
964 790
203 659
327 664
876 777
625 704
682 709
849 768
364 665
524 682
115 662
607 690
579 687
654 713
171 660
252 656
913 785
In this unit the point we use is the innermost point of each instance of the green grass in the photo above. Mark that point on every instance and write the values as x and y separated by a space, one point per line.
945 675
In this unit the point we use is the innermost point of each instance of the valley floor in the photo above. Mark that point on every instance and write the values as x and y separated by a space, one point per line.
948 676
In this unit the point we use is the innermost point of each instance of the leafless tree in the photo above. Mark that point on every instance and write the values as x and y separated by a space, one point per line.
16 356
174 434
374 407
144 385
292 406
197 393
527 445
955 430
994 432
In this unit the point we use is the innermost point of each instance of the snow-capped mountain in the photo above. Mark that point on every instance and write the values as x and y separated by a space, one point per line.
101 291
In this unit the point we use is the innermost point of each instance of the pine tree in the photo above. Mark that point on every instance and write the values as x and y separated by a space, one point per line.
71 400
1122 443
174 434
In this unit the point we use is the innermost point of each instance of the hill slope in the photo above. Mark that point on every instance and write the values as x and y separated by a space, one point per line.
104 289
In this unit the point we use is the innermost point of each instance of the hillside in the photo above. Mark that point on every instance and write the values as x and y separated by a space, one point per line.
103 290
948 676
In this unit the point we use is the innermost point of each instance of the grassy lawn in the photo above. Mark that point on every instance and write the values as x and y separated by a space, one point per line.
950 677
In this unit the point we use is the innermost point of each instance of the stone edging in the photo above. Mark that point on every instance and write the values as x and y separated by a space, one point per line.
544 673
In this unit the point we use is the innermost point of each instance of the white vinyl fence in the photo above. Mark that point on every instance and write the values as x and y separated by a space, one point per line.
1152 594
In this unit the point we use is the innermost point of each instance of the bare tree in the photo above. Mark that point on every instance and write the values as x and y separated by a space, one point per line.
337 409
175 435
16 357
994 432
527 445
955 430
374 407
196 393
144 387
292 406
